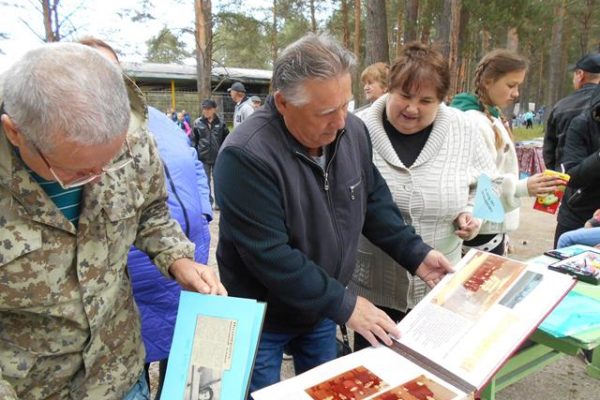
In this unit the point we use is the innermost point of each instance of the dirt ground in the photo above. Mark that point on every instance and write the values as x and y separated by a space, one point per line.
564 379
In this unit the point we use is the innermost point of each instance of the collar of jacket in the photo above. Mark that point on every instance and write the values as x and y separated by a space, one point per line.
30 200
595 103
215 120
294 145
468 101
383 146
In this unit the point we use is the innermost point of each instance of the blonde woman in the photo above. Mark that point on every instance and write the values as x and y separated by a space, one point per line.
497 79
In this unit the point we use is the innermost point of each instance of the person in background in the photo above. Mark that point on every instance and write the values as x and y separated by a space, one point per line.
528 119
157 297
172 114
586 77
208 136
256 102
243 105
415 138
375 84
187 117
581 160
297 186
497 79
183 124
588 235
87 179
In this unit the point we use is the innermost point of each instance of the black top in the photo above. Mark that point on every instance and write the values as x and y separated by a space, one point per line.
558 123
581 159
407 147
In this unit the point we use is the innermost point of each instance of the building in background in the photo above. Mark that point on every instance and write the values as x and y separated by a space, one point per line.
169 86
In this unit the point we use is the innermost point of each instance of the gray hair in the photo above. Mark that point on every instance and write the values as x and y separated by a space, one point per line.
311 57
66 89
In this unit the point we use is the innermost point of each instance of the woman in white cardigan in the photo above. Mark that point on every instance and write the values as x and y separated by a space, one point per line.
431 156
497 79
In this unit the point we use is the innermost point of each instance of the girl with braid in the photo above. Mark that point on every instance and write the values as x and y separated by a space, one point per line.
497 79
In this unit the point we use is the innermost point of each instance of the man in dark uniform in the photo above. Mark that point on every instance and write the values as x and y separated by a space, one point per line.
586 77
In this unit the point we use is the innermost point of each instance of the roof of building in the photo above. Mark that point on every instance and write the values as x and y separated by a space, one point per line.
179 72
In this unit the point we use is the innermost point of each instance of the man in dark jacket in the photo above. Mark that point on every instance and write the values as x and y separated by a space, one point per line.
297 186
208 136
586 77
582 162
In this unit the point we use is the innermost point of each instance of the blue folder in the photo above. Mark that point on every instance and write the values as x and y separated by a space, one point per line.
248 316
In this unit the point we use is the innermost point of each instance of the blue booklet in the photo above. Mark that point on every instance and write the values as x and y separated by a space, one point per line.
214 347
576 313
487 201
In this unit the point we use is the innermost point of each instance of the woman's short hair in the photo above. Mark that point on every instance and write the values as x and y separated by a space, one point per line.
377 72
417 65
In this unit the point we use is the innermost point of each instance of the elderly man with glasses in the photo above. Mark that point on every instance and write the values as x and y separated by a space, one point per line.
80 181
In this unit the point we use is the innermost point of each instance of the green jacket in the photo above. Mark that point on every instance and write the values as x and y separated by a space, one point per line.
69 327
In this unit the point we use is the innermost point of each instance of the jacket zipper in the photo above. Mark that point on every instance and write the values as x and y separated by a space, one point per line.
329 200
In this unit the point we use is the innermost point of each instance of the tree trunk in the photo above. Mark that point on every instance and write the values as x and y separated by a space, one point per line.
443 38
410 26
203 13
554 70
587 24
453 54
400 28
274 33
512 39
426 16
345 24
356 86
313 20
540 92
357 29
49 12
565 86
466 37
377 48
485 41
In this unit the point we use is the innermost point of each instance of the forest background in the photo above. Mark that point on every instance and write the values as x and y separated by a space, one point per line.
250 34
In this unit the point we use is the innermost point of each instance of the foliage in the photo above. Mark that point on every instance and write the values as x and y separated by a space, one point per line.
166 48
141 12
240 41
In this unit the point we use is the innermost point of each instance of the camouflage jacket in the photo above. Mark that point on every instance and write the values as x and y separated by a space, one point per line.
69 328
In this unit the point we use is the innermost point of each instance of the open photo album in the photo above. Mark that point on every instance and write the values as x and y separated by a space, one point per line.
452 342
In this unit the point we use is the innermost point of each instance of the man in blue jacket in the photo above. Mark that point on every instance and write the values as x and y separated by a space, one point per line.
156 296
297 186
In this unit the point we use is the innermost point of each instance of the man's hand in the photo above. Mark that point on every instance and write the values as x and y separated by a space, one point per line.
467 227
433 268
196 277
372 323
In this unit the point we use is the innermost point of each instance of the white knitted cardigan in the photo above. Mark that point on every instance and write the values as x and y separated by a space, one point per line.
506 171
430 194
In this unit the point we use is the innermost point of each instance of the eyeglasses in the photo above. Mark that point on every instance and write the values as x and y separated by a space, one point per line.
90 177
